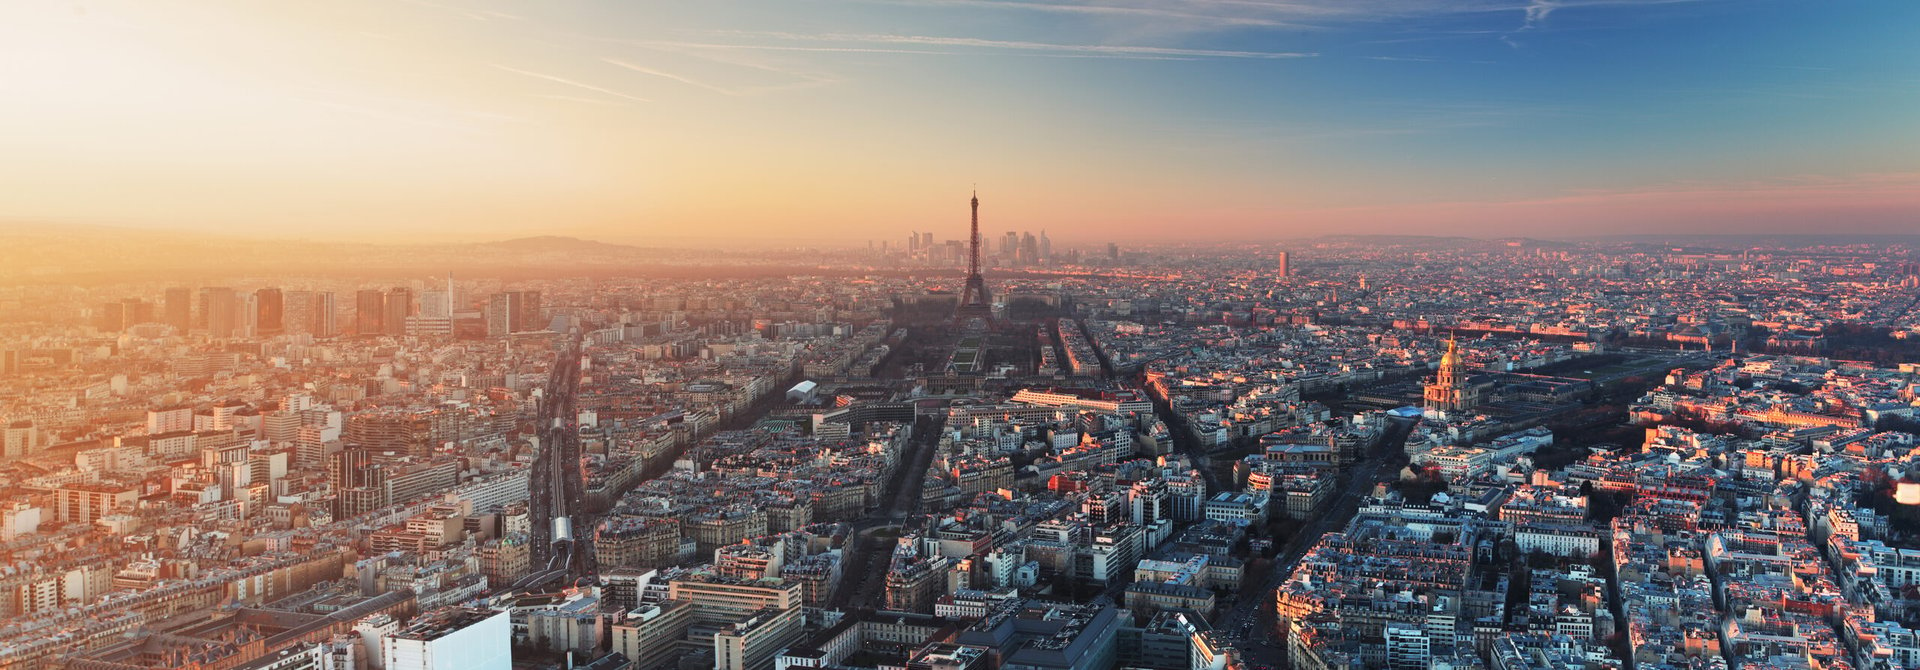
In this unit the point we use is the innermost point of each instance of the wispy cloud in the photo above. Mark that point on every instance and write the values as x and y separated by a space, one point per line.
1242 13
724 46
1194 16
417 112
1202 17
1394 120
977 44
802 80
580 99
570 82
1537 12
674 77
1438 35
475 14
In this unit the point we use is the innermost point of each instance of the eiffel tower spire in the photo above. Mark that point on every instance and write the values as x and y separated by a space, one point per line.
974 302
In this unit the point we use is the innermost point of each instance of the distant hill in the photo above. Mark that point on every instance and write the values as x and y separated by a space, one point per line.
1416 241
1536 243
558 243
89 253
1744 240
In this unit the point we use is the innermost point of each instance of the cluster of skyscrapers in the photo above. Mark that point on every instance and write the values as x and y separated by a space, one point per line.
224 312
1011 249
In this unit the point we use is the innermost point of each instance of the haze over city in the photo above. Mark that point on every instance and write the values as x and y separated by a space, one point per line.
1134 120
959 335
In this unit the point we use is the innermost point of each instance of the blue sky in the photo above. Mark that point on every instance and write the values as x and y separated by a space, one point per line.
1122 119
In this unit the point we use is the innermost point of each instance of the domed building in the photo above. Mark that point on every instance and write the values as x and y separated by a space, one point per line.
1449 390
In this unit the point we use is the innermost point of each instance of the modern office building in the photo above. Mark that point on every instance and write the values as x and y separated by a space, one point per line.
86 503
514 312
751 642
369 312
326 315
270 312
453 639
399 306
178 308
1050 636
219 311
649 633
722 600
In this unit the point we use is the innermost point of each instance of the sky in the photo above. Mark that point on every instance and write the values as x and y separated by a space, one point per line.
1095 120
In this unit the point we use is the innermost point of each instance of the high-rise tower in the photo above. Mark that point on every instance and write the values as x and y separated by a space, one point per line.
399 306
974 302
369 312
179 309
326 315
219 312
270 308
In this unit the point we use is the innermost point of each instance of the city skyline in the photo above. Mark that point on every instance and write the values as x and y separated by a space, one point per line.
959 335
1132 121
1441 452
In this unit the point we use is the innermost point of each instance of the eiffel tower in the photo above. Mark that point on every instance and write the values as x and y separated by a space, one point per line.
974 302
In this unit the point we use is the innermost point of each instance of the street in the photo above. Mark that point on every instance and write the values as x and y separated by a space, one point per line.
866 555
1249 621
